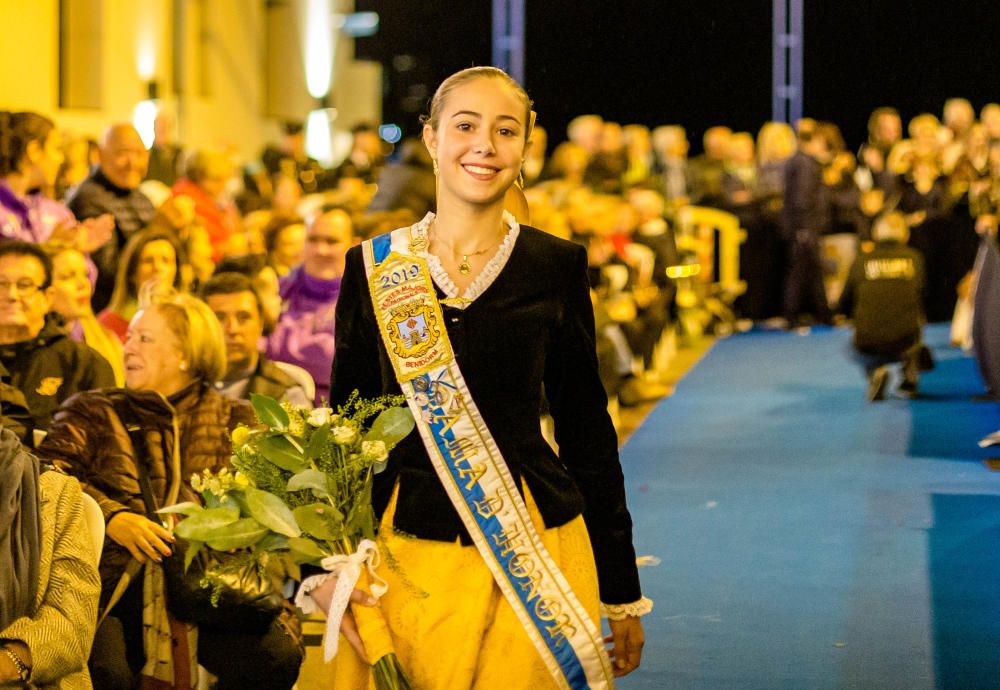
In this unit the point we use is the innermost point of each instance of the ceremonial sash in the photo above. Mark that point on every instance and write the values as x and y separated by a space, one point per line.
470 467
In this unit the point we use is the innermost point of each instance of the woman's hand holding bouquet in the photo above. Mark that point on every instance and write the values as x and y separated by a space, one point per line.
301 493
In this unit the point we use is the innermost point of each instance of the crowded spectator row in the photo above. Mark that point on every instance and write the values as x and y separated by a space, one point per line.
193 282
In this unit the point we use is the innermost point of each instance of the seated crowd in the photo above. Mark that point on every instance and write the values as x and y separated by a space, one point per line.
158 289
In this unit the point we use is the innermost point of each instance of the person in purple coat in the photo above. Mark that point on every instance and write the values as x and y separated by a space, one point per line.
304 334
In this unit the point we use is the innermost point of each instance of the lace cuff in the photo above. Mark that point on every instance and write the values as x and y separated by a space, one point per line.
619 612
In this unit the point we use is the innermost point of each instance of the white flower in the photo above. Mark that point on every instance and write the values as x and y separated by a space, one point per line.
374 450
344 435
320 416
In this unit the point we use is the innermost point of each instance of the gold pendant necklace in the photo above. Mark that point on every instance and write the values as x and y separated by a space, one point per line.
464 267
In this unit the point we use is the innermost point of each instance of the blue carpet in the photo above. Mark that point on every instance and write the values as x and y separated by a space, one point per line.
810 539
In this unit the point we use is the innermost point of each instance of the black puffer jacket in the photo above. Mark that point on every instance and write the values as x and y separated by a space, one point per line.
52 367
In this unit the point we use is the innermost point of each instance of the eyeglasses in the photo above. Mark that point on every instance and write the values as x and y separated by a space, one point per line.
25 288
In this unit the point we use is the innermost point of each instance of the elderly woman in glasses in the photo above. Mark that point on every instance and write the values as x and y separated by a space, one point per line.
174 353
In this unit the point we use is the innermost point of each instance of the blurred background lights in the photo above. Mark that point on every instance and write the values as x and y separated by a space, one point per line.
390 133
358 24
318 134
143 119
324 141
319 46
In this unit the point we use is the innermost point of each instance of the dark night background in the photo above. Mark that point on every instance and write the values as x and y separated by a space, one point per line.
696 63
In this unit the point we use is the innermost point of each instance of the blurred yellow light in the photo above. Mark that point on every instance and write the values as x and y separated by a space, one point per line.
683 271
318 141
143 119
318 46
145 62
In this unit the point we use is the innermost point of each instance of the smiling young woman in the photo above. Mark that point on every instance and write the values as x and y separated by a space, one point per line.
473 317
476 133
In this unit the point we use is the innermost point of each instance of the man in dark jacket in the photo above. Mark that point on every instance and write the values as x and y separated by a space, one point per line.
883 295
237 306
113 187
45 364
14 413
805 217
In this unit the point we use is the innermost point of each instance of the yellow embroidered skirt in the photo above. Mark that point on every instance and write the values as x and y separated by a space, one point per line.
450 624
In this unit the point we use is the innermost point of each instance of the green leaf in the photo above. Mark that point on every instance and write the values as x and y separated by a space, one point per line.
310 479
239 498
392 426
361 520
201 526
291 566
305 550
273 542
185 508
238 535
193 547
271 511
269 411
279 451
318 442
321 520
368 523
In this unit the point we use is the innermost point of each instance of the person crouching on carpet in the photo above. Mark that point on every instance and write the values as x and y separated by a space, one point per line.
884 297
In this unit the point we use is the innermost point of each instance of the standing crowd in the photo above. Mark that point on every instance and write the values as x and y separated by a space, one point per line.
146 294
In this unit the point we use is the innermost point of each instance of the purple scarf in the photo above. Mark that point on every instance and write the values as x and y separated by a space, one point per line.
304 335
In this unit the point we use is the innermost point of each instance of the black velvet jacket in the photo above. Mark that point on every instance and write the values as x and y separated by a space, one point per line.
533 328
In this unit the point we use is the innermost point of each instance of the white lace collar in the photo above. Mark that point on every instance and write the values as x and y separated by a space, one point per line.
485 278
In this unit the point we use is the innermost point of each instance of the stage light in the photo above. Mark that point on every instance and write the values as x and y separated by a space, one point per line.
319 46
146 34
145 61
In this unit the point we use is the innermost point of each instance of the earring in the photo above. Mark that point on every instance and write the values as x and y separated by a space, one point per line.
435 163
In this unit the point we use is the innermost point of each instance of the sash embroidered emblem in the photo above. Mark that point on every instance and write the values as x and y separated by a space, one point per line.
408 315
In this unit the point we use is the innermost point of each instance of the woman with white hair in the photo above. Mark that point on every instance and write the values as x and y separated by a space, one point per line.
143 444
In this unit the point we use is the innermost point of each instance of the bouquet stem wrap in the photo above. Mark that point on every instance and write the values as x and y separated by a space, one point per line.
347 568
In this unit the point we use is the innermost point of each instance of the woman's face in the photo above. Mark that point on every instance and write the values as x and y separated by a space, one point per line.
157 259
154 360
290 245
199 249
327 241
70 285
268 288
741 150
478 143
44 160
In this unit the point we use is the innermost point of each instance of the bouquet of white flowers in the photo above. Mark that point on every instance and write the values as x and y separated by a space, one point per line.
301 491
